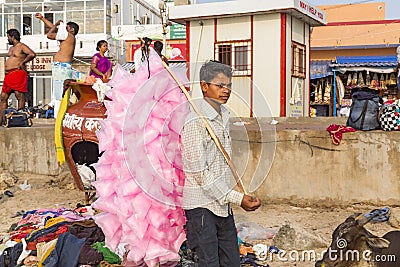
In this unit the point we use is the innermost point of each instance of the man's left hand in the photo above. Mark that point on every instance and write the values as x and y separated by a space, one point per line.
250 203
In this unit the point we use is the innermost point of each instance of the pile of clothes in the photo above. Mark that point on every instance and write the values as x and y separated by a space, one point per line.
56 237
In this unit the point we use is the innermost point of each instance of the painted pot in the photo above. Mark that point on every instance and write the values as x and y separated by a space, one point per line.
79 127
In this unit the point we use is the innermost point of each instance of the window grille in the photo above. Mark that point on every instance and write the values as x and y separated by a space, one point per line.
299 60
236 54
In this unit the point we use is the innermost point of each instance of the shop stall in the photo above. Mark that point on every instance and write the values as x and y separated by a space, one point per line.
321 80
362 72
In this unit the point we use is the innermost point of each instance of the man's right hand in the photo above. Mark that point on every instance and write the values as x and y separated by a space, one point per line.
39 16
250 203
66 85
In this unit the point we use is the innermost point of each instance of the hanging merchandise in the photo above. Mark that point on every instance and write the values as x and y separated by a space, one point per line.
368 79
327 93
348 80
318 97
382 83
392 79
354 80
387 80
375 81
340 88
360 80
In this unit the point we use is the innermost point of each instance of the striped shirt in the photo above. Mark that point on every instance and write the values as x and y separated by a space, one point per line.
208 177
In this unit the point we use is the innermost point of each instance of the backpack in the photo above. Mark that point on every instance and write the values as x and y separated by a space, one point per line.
364 111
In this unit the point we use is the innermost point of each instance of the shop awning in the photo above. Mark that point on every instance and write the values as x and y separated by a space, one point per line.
320 69
380 64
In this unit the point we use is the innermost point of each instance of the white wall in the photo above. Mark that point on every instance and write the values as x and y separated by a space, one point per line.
266 72
237 28
233 28
201 49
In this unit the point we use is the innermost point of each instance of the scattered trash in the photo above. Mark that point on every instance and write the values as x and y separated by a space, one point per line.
18 214
274 122
8 193
25 186
239 123
249 231
87 175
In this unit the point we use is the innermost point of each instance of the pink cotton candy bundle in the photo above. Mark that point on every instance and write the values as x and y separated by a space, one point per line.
140 173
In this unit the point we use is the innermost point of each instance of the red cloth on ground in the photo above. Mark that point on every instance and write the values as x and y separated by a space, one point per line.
15 80
336 132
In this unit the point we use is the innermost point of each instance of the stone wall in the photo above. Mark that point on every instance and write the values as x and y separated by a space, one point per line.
294 160
297 162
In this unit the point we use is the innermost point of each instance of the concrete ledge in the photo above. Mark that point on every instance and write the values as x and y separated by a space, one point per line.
29 149
297 162
294 160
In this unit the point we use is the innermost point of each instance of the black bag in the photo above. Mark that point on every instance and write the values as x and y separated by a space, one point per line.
364 111
15 118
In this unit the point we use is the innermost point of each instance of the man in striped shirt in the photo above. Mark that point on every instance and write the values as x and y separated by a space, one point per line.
208 191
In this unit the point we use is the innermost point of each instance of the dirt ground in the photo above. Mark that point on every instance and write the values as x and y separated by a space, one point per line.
318 221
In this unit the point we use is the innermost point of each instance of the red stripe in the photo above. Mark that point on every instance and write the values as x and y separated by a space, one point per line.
215 33
283 66
188 48
347 23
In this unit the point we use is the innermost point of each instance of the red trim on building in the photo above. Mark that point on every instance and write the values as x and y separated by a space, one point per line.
188 49
252 65
347 23
282 112
215 32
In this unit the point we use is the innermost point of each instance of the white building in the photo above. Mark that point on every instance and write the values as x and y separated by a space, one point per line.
95 19
266 42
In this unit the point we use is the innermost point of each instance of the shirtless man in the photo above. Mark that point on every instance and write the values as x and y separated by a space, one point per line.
62 62
16 78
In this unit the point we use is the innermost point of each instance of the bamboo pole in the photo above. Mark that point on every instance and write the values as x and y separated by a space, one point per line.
210 131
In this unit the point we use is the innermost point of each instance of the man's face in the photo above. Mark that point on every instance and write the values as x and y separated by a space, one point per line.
10 40
218 89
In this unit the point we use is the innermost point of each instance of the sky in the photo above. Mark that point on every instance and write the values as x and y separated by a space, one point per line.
392 6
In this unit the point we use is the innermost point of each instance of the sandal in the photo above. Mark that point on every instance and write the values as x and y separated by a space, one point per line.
378 215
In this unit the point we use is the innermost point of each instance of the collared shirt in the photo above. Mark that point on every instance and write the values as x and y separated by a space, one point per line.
208 177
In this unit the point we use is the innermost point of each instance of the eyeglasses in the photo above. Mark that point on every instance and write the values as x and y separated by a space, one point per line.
222 85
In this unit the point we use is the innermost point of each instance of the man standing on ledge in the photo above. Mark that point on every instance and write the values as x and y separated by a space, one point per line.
62 62
16 78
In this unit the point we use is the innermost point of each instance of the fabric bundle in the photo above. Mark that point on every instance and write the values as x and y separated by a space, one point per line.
139 176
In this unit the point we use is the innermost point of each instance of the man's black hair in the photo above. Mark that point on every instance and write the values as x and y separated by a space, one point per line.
14 33
212 68
74 26
158 46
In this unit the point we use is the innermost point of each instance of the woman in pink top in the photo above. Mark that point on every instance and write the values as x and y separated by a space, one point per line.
101 66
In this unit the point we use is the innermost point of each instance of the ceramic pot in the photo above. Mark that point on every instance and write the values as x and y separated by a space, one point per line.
79 128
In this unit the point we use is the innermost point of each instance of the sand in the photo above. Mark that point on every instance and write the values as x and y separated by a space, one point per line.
317 221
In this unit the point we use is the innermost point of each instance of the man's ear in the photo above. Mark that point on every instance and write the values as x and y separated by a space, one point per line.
203 86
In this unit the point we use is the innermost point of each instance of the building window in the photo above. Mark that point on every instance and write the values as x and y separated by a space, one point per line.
27 24
95 21
236 54
225 54
299 60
